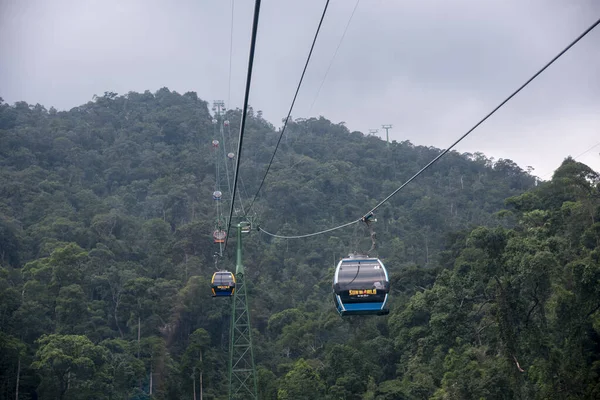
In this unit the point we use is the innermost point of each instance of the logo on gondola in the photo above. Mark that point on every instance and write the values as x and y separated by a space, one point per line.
363 292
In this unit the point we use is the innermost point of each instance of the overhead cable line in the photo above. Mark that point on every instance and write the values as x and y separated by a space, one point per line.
575 158
225 155
230 54
334 55
489 115
292 105
241 197
309 234
217 190
370 213
588 150
244 112
245 193
241 181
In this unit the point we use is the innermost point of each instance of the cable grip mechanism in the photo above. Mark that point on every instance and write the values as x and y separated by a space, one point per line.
368 219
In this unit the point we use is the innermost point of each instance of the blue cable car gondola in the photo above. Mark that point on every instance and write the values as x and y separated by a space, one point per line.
361 286
223 284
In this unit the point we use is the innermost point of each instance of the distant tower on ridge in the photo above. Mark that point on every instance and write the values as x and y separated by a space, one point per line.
387 136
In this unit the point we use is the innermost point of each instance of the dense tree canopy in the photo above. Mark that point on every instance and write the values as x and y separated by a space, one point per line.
106 255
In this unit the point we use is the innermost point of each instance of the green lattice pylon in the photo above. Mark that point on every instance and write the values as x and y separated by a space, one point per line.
242 372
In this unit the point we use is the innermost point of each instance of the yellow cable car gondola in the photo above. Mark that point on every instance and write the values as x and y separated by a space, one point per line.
223 284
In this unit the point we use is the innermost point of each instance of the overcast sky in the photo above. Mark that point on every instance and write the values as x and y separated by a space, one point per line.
432 68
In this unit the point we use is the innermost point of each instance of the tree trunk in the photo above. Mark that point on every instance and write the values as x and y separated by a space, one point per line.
116 312
186 266
426 250
201 371
138 347
63 389
194 383
139 334
18 377
150 380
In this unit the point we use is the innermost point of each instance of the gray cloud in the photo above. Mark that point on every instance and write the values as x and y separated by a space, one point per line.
432 68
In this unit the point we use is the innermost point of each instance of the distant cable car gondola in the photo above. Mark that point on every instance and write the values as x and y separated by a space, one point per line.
217 195
230 156
219 236
361 286
215 143
226 122
222 284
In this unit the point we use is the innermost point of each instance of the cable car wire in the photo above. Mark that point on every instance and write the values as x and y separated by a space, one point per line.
309 234
245 193
574 158
244 112
587 151
292 105
334 55
370 213
218 190
588 30
224 145
243 186
230 54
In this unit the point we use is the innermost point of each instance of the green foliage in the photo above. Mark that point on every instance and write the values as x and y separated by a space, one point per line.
106 258
303 382
70 366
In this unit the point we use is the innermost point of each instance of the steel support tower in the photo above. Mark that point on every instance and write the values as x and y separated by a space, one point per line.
387 136
242 371
219 107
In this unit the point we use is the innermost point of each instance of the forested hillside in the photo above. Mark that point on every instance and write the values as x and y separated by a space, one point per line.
106 255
